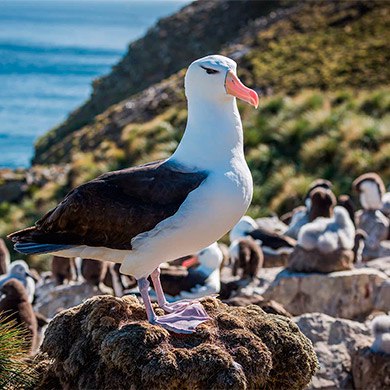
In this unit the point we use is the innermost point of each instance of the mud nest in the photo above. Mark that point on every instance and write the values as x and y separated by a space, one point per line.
302 260
106 343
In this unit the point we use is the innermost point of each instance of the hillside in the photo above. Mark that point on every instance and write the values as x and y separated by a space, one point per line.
326 45
198 29
323 70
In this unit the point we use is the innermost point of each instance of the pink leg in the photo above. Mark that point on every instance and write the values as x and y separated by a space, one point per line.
162 302
143 285
184 320
155 276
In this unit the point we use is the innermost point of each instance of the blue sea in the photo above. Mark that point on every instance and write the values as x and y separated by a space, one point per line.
50 51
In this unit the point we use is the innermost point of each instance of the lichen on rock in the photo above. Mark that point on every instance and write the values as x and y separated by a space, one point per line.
107 343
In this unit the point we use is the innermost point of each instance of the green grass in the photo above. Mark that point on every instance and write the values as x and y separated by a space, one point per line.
15 371
327 46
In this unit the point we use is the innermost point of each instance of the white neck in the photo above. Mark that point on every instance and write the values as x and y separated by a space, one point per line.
370 198
213 136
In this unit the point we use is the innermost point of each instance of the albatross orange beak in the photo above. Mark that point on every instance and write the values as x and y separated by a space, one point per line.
236 88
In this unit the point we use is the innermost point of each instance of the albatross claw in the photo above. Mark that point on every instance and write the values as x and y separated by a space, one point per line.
185 320
178 305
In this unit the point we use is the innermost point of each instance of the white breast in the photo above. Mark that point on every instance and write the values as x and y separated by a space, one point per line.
206 215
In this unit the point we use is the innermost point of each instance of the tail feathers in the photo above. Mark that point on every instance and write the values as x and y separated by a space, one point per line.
24 234
29 248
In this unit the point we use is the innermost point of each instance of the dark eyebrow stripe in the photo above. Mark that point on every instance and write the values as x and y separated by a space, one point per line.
210 69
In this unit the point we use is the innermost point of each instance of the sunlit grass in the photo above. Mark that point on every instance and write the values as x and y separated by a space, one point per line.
15 371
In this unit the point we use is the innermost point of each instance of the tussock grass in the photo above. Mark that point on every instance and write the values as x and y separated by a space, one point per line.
15 370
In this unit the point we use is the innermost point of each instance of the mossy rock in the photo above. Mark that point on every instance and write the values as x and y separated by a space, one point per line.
106 343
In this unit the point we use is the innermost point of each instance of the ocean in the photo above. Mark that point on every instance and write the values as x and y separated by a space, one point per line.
50 51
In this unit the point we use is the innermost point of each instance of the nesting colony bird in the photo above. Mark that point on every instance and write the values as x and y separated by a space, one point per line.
329 234
20 270
93 271
346 202
358 248
195 282
307 214
381 330
15 303
63 269
271 242
386 204
144 216
325 244
370 188
247 256
4 258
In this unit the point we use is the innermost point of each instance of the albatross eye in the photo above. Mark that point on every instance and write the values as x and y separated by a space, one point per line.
209 70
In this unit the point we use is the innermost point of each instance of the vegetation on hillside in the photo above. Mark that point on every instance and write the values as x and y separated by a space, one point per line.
198 29
327 45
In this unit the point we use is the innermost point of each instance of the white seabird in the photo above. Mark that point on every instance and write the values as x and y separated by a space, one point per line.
144 216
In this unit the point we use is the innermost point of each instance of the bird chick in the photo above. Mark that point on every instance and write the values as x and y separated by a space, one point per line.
247 256
328 234
16 304
93 271
63 269
20 270
380 327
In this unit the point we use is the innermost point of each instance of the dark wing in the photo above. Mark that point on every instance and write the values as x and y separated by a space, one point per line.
115 207
272 239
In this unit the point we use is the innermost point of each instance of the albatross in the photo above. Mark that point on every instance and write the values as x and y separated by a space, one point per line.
157 212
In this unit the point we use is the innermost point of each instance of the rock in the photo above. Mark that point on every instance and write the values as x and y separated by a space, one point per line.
11 190
333 340
370 370
52 298
346 294
382 300
382 264
106 343
302 260
275 258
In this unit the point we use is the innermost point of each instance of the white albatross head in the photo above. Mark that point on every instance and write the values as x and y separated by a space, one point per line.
214 78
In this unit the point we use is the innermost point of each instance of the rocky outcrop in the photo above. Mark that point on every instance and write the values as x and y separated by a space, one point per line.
334 341
302 260
12 185
382 300
370 370
382 264
107 343
346 294
52 299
